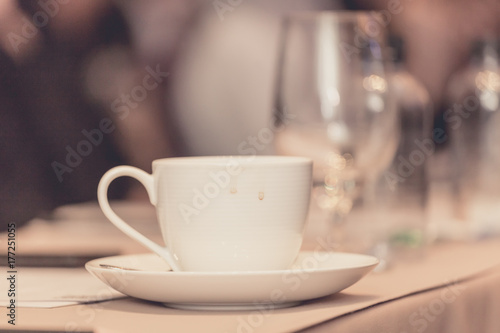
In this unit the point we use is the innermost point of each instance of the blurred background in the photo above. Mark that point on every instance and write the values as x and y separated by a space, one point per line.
87 85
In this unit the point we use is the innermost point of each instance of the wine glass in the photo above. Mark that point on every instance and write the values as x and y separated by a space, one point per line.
334 104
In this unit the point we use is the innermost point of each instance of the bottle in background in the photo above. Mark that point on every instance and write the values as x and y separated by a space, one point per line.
405 185
473 118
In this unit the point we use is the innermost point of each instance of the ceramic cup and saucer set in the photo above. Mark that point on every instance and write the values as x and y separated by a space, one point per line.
233 229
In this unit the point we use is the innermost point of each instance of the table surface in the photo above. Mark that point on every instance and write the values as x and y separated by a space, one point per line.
455 287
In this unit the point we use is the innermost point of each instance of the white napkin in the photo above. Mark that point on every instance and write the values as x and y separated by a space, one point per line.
54 287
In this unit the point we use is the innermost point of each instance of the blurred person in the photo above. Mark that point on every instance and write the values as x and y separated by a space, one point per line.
223 66
58 130
438 35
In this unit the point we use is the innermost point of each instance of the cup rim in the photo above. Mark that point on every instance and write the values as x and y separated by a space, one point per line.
244 160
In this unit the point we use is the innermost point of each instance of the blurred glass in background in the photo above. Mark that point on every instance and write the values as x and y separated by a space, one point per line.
338 108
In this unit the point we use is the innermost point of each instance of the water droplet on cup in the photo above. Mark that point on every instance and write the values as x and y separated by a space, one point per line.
261 195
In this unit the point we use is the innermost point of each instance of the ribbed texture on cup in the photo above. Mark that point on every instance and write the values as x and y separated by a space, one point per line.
251 220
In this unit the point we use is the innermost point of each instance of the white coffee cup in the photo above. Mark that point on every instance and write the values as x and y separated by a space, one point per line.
238 213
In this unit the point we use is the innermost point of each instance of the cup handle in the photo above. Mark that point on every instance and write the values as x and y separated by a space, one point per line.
148 182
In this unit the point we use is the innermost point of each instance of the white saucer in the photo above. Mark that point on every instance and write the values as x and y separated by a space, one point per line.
314 274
